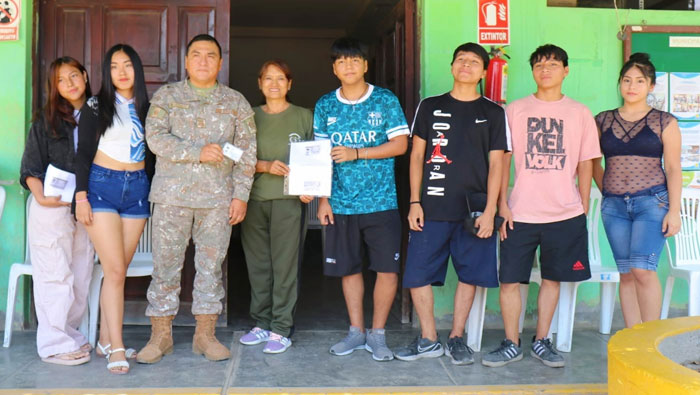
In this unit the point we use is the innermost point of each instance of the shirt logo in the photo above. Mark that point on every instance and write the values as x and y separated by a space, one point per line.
331 121
294 137
479 120
545 144
330 260
396 256
578 266
374 118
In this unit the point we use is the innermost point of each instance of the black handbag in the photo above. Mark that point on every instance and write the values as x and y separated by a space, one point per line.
480 202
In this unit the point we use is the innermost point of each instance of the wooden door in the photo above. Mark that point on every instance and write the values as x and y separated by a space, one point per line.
396 65
159 31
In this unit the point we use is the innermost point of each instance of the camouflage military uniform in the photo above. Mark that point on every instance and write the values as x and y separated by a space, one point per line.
193 198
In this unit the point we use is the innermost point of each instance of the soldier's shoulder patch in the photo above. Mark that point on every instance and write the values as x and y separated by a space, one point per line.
157 112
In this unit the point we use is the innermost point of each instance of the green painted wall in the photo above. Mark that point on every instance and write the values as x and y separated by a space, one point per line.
16 105
595 58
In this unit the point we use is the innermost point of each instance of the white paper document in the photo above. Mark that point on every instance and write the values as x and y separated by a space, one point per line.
59 183
310 168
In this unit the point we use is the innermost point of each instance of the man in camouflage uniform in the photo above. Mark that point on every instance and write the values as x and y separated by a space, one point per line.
197 192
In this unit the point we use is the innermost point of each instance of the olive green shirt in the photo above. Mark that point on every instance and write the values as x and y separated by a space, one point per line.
274 133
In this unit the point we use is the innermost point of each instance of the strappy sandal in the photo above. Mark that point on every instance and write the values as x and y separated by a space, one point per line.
112 366
103 351
68 358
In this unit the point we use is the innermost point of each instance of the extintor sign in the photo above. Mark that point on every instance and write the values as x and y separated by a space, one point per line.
494 22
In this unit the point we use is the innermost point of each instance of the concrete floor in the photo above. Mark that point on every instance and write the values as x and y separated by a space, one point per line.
306 364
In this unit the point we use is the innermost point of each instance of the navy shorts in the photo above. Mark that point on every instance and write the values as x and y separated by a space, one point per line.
120 192
473 258
379 234
563 251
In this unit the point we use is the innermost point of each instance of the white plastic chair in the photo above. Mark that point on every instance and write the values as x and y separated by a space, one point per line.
685 263
141 266
608 277
3 196
18 270
475 321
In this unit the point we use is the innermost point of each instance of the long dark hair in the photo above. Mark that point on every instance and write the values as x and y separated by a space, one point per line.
107 94
57 108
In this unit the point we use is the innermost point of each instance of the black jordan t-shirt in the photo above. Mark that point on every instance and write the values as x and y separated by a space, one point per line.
459 136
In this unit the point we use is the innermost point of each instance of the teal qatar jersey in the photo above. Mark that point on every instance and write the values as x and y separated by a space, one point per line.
361 186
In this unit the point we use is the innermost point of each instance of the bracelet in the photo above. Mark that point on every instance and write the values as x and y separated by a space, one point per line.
81 200
415 202
357 154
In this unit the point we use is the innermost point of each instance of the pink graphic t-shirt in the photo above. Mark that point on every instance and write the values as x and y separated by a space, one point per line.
549 140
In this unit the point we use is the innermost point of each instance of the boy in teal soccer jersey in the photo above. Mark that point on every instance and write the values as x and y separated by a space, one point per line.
367 128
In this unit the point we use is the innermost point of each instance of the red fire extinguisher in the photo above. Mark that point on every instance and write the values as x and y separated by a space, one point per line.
497 76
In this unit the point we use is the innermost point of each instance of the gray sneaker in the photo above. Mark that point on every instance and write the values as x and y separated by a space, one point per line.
420 348
543 350
506 353
376 344
355 340
459 352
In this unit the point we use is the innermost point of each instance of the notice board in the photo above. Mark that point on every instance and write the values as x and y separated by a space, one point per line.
675 52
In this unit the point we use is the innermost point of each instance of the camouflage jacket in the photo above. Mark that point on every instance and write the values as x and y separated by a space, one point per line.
180 122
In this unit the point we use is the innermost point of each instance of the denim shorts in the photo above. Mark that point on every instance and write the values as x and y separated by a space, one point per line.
473 258
633 225
120 192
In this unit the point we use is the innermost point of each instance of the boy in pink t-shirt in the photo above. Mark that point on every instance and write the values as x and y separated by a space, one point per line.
554 140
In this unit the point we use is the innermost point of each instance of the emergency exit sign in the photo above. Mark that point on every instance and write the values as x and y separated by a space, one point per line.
494 22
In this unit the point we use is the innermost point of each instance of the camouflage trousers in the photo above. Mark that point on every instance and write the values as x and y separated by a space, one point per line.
172 228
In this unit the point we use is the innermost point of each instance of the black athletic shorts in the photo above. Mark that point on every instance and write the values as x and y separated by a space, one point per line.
563 251
378 234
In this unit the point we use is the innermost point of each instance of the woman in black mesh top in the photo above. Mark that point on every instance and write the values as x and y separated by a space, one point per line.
641 198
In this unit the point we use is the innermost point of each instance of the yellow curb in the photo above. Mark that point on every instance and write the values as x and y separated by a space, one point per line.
635 365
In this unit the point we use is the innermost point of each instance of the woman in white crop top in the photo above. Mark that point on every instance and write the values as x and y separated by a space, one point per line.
112 186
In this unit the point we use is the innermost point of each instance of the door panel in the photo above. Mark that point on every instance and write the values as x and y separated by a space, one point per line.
157 29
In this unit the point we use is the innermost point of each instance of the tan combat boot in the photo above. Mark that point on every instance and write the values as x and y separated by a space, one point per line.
204 341
161 342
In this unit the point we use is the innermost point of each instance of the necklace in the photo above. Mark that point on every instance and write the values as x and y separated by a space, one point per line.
352 103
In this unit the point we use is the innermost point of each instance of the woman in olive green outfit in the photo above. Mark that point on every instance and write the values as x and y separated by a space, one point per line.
271 232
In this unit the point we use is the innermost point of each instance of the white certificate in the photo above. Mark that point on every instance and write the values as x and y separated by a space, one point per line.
59 183
685 96
310 168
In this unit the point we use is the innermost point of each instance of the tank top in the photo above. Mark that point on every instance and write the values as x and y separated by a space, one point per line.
633 151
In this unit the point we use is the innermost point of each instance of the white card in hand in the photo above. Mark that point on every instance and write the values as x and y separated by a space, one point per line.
232 152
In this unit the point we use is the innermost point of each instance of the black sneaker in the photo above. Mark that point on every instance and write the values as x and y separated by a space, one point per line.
420 348
506 353
543 350
459 352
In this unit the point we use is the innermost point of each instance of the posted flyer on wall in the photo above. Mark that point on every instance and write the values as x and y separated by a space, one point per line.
310 168
658 98
685 96
690 148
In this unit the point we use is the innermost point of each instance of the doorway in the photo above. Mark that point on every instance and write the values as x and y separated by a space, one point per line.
301 33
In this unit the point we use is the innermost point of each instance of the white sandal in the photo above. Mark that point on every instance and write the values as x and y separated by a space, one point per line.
111 366
103 351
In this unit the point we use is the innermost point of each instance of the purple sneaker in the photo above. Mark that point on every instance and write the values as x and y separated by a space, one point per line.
277 344
255 336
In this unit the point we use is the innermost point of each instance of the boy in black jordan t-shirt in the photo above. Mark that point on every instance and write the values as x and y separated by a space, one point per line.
458 143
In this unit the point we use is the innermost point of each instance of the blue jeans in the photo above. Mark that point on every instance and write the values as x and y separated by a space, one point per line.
633 225
120 192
